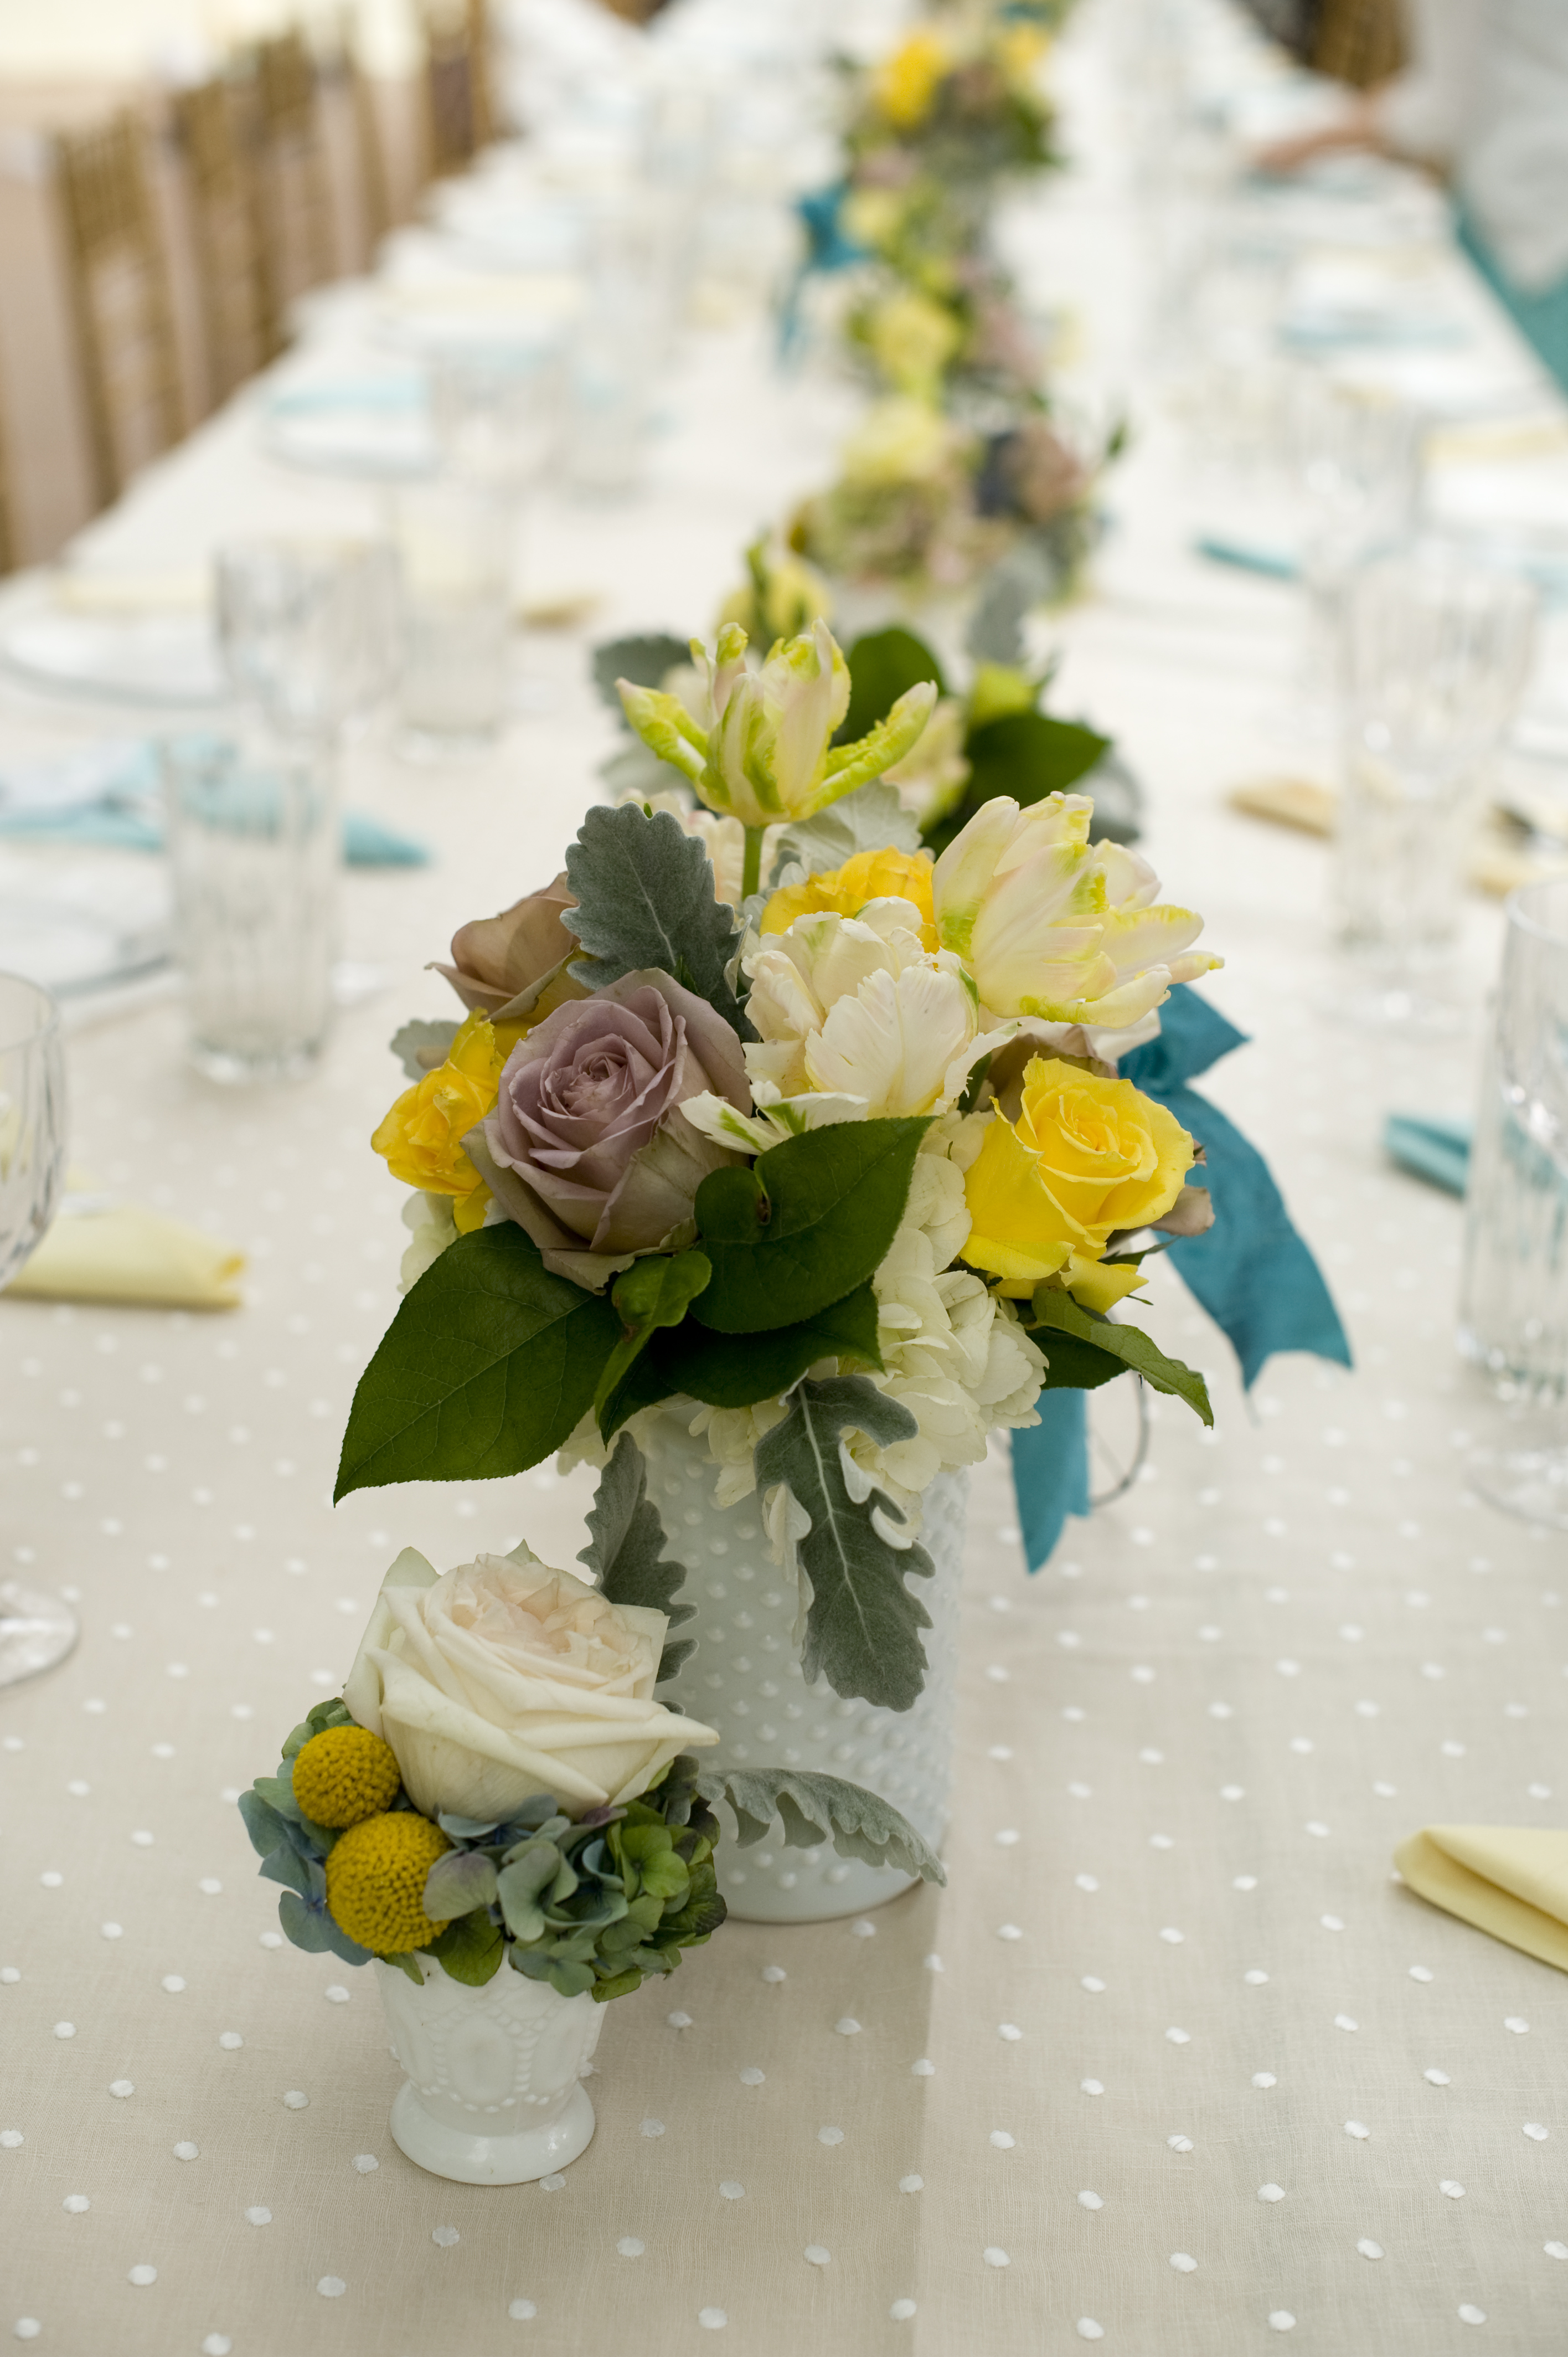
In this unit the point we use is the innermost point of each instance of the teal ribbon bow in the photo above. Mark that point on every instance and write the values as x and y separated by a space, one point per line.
1251 1271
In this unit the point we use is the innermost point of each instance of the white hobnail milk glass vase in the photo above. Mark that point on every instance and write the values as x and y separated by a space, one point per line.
744 1680
494 2093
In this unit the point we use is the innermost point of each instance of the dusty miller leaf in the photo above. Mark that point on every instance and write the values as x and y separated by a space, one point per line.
870 819
420 1046
645 897
626 1548
862 1625
812 1808
645 660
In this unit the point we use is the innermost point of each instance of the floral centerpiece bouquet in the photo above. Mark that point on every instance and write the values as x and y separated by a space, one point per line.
841 1165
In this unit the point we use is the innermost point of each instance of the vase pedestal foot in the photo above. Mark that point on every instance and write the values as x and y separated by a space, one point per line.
472 2158
792 1891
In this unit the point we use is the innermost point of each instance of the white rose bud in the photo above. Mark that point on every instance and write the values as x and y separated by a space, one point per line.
503 1679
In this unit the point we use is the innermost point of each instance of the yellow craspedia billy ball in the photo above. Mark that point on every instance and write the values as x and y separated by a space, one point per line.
375 1882
344 1775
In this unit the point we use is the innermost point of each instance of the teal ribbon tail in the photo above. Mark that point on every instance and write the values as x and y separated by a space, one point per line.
828 247
1050 1471
1252 1272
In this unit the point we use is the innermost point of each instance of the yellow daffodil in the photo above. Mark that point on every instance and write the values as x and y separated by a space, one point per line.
1085 1158
422 1136
886 875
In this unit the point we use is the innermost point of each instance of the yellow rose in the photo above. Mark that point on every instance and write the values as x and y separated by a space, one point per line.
843 891
907 82
1085 1158
422 1136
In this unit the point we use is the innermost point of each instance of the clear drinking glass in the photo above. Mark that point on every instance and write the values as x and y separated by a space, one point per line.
1513 1308
307 629
1435 658
497 415
454 542
36 1630
254 838
1358 453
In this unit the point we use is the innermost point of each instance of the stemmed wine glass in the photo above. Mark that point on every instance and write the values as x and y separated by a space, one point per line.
35 1630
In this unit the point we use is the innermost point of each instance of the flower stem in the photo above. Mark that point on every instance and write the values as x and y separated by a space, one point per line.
751 869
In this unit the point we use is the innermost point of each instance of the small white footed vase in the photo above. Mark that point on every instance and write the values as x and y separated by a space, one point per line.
744 1680
494 2093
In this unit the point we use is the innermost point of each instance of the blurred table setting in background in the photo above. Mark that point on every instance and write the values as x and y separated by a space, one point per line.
1229 500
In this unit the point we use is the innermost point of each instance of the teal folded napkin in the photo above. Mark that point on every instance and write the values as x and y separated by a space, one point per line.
1251 556
106 797
1431 1148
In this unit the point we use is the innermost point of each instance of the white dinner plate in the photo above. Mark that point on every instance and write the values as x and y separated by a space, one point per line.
165 660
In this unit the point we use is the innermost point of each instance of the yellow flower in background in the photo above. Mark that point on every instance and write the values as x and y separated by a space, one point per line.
874 216
1085 1158
422 1136
1021 49
843 891
907 82
912 339
901 440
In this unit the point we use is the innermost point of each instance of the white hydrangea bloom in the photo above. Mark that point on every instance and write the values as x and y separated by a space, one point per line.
953 1354
429 1220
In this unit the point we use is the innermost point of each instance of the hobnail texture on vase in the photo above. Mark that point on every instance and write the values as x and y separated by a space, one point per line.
745 1679
493 2094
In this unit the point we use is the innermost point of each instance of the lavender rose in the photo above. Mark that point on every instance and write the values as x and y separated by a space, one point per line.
588 1148
510 965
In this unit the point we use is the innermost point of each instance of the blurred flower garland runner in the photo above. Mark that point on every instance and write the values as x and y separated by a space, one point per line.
959 473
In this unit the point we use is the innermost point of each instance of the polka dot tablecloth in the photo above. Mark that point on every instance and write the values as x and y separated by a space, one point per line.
1173 2063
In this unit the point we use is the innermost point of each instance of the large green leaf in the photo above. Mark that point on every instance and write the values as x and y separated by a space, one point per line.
1076 1366
802 1225
626 1548
737 1370
1057 1312
654 1292
862 1625
645 897
1028 754
882 665
811 1809
488 1367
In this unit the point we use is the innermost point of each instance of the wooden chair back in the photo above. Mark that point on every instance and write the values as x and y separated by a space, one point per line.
218 133
298 247
118 283
460 108
1360 41
10 554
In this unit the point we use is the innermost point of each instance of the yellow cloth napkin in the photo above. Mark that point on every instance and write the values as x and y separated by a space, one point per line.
1509 1880
123 1254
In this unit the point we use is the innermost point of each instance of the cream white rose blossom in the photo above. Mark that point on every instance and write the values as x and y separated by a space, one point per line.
1052 925
503 1679
856 1008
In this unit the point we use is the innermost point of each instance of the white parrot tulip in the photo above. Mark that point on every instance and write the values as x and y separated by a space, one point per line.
1054 927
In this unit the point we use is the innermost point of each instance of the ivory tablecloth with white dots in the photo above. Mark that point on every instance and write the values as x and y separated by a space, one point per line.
1173 2063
